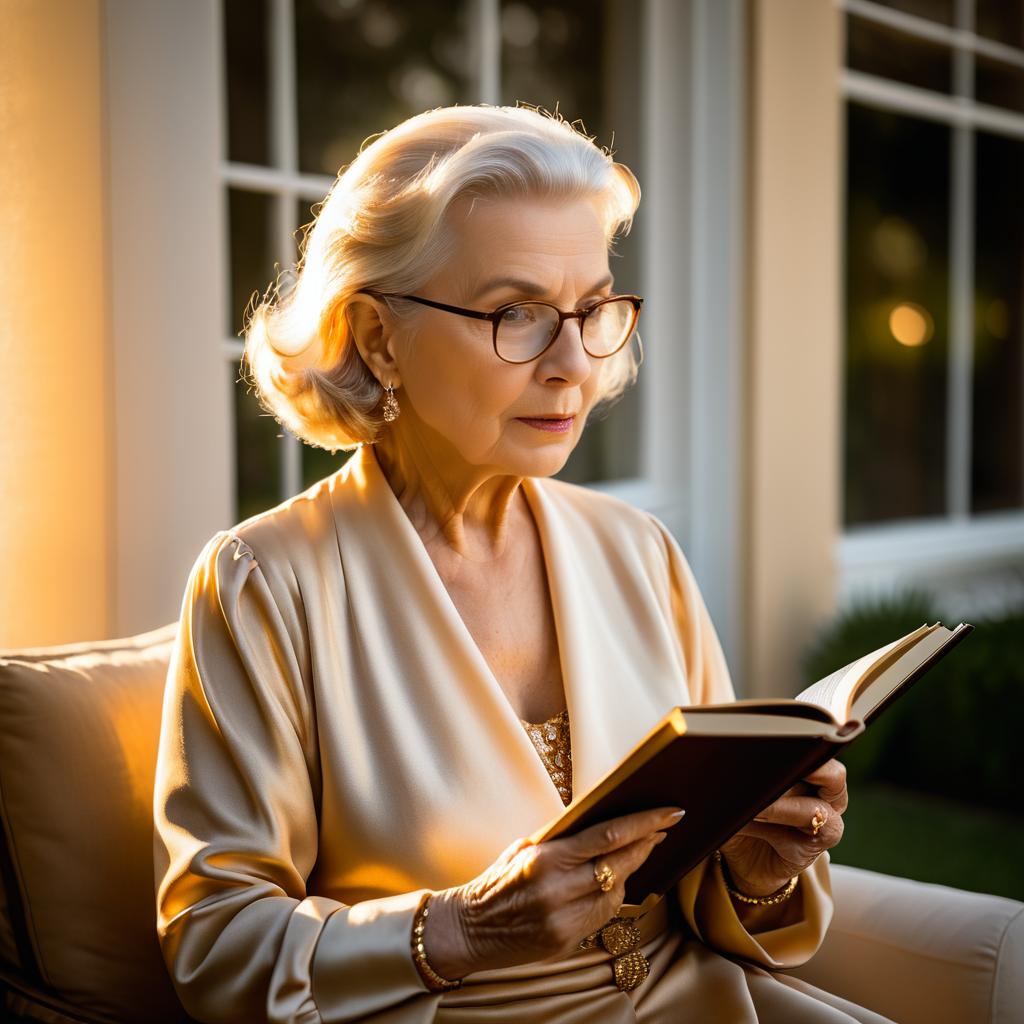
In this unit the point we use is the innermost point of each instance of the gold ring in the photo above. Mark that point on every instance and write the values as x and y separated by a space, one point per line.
818 821
605 877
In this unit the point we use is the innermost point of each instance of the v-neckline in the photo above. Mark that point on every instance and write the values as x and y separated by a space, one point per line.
371 465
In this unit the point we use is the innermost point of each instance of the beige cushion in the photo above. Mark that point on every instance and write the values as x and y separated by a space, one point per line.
921 953
79 728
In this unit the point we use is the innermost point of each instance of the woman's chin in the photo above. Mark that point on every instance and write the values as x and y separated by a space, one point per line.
543 460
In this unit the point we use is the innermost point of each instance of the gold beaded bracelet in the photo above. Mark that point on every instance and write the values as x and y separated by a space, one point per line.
778 896
431 978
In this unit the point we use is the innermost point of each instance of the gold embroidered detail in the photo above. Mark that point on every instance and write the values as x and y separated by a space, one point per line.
630 970
551 738
621 937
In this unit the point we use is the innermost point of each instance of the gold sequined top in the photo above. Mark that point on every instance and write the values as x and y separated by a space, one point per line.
551 738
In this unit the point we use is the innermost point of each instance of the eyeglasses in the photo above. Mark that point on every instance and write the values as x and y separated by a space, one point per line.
523 331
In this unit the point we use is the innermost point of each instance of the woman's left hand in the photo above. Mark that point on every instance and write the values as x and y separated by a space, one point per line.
781 841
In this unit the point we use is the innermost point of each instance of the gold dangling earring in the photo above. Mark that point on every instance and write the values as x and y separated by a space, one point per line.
391 409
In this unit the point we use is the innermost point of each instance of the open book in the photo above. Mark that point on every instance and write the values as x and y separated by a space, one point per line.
724 763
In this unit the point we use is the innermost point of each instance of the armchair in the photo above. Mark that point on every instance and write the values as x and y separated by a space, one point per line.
79 726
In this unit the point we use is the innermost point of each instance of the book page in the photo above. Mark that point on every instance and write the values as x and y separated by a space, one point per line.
878 689
834 691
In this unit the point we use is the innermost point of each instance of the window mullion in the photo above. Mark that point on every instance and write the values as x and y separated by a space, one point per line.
285 155
487 23
961 338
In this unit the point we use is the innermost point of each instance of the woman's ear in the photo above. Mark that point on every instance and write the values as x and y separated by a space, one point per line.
368 322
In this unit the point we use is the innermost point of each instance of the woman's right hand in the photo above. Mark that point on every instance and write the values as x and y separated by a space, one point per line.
538 901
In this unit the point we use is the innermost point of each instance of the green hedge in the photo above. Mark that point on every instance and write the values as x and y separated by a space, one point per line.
955 733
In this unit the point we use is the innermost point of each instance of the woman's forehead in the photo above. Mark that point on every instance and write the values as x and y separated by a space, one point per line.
527 241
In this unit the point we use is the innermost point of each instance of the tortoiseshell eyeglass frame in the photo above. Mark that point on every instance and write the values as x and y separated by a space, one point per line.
495 318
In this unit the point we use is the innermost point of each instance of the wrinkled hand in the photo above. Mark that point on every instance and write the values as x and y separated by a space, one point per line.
538 901
780 842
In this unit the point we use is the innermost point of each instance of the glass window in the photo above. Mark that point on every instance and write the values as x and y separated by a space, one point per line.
548 55
998 430
886 52
252 251
248 81
362 67
258 451
897 299
1001 20
999 84
933 10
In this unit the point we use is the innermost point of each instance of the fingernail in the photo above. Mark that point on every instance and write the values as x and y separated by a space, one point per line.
659 836
673 818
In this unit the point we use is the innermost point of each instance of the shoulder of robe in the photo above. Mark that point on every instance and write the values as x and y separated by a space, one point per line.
289 542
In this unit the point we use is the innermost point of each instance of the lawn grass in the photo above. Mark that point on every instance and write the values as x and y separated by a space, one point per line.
916 835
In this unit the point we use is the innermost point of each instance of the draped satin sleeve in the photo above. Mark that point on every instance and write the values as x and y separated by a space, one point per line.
780 936
236 800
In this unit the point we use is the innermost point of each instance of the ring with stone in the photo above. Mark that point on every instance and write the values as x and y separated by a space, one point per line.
604 876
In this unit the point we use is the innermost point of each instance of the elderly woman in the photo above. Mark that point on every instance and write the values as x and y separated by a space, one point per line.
383 685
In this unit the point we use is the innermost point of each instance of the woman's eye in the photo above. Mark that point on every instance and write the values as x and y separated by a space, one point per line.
516 315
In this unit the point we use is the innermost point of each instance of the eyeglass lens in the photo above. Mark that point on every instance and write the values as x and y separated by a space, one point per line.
525 330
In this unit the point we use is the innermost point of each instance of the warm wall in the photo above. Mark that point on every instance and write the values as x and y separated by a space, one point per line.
793 377
55 379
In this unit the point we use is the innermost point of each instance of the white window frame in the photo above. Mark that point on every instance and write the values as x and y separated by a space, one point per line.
939 550
691 414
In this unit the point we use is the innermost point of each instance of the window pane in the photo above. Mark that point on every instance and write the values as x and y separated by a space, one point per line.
362 67
896 315
248 81
252 251
580 57
554 54
883 51
1001 85
998 459
1002 20
258 444
318 463
933 10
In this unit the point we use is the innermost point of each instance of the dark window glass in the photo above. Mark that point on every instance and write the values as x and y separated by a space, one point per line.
248 81
318 463
258 441
933 10
896 315
362 66
888 53
998 431
1002 20
552 54
999 84
252 251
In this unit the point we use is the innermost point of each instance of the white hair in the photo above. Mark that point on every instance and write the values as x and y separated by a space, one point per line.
382 226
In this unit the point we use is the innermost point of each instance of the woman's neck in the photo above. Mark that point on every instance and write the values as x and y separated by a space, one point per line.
475 512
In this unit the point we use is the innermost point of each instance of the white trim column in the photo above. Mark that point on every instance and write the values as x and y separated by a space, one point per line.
794 374
172 400
694 223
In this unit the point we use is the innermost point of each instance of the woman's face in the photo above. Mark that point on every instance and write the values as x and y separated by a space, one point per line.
456 394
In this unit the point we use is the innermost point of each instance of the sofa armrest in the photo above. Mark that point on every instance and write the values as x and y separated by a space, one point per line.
918 952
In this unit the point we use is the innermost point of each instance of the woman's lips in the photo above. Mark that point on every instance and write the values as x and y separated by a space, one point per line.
558 426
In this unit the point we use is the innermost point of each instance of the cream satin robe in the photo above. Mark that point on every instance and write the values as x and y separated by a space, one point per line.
334 743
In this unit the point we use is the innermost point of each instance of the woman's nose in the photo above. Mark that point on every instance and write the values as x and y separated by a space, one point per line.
567 357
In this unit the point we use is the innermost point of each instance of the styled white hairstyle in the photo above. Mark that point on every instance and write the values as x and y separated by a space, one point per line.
382 226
